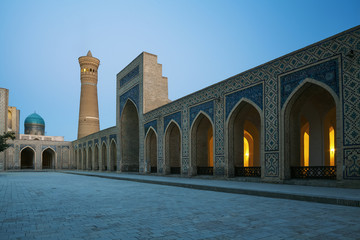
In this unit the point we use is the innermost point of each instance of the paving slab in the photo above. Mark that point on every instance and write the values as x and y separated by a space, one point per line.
328 195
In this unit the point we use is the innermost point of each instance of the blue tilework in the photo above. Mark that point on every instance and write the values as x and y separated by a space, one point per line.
132 94
53 147
113 136
150 124
254 94
27 145
103 139
128 77
272 164
96 141
207 107
90 143
327 72
352 163
175 116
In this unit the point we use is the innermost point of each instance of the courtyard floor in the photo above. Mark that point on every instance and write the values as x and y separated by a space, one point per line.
53 205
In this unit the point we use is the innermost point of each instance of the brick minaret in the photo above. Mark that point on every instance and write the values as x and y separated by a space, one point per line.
89 111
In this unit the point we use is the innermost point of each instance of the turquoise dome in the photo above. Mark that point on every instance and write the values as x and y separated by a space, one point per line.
34 119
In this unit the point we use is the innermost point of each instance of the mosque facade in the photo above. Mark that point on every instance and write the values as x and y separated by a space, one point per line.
295 117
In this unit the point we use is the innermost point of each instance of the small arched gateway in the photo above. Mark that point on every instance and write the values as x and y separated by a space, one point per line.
244 134
27 158
310 132
151 151
48 159
104 166
202 146
172 149
113 153
96 157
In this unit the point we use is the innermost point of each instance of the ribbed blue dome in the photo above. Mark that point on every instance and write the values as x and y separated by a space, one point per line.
34 119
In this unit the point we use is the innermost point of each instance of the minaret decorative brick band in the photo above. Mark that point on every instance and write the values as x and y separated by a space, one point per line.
89 110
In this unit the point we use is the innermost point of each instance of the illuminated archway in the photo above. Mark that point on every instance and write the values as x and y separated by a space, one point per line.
129 132
310 123
202 146
48 159
151 151
27 158
172 149
244 139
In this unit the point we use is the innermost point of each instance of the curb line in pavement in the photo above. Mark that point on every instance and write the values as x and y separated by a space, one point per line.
307 198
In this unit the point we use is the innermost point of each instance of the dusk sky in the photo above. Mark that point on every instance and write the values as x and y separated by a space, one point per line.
198 42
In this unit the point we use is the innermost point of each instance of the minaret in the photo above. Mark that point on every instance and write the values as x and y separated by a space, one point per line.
89 111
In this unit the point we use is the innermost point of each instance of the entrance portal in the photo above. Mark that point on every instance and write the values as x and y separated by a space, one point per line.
48 159
27 158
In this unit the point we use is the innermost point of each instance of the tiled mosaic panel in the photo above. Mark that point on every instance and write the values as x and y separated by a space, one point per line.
53 147
352 163
175 117
128 77
132 94
219 165
255 94
219 127
207 108
150 124
271 164
112 136
351 103
327 72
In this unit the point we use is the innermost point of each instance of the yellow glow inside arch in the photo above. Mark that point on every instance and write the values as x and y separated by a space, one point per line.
306 149
332 146
246 152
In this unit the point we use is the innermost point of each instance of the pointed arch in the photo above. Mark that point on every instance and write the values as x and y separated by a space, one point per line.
96 157
76 157
113 158
243 137
84 160
151 151
80 160
104 160
129 137
307 117
90 159
172 148
27 158
202 145
48 157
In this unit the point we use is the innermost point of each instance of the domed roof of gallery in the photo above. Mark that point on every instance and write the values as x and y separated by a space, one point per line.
34 119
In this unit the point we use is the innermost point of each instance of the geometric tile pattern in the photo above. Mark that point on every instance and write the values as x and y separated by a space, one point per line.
352 163
132 94
175 116
327 72
150 124
113 136
103 139
53 147
90 143
254 94
132 74
272 164
207 107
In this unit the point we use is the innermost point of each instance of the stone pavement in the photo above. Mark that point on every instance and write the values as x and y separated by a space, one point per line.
53 205
330 195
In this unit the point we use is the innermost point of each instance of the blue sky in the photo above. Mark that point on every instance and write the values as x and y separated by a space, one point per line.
198 42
